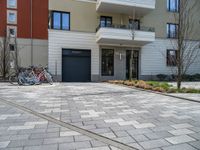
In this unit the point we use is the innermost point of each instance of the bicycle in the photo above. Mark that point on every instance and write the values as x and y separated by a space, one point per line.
42 74
29 76
18 77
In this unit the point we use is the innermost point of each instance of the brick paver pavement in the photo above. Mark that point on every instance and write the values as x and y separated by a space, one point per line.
136 118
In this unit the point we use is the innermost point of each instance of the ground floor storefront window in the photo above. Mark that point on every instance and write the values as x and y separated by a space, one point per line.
107 66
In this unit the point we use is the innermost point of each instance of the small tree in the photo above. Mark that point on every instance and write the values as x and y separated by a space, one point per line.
6 56
187 50
132 28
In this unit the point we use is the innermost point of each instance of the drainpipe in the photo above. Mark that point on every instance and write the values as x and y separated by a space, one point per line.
31 3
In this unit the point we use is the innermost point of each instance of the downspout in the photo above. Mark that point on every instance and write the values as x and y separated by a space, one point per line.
31 3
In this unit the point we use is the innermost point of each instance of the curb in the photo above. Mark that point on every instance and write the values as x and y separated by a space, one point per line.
159 93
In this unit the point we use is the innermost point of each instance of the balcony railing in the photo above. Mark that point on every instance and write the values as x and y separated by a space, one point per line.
127 27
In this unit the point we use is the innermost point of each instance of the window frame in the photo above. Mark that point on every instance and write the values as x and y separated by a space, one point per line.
106 17
177 5
10 6
13 28
61 20
12 45
113 62
169 31
168 59
8 16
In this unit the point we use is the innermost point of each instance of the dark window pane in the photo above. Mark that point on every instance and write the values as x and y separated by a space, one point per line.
108 22
56 20
171 57
172 30
105 21
65 21
107 62
173 5
12 47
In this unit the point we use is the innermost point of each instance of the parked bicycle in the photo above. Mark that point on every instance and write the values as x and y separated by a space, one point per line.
31 76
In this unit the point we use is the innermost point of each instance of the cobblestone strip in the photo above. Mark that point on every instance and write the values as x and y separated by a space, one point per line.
72 127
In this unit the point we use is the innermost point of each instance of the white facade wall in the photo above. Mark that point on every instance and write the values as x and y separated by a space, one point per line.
71 40
153 58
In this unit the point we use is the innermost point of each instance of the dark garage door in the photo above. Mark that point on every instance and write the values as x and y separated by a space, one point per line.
76 65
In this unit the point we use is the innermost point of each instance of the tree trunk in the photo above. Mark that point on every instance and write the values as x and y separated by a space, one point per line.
179 65
131 66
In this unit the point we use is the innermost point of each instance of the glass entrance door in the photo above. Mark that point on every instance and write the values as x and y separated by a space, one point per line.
135 64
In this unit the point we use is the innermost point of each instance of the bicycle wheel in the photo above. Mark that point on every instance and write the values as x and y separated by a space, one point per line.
49 78
13 79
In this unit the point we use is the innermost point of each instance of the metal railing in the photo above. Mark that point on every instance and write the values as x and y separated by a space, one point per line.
127 27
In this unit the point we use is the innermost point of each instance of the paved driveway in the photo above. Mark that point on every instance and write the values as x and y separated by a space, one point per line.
134 118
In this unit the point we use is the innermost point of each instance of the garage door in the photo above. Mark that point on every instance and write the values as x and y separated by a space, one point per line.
76 65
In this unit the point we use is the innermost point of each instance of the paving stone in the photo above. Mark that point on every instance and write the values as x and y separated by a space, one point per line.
42 147
109 135
181 132
181 126
125 140
195 135
179 147
81 138
58 140
20 143
97 148
18 148
21 127
180 139
140 138
139 131
69 133
158 135
4 144
20 137
44 135
96 143
195 144
154 144
75 145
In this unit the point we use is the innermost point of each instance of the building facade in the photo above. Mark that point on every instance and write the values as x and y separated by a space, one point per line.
27 22
93 40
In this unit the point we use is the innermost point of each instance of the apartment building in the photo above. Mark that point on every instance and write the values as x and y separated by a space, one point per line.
92 40
26 21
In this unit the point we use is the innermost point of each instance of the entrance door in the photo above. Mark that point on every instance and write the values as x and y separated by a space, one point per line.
135 64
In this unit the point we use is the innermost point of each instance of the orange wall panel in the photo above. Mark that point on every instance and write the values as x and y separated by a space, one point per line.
23 19
40 19
2 17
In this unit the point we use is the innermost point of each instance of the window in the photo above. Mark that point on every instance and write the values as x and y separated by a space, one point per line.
173 5
105 21
134 23
11 31
172 30
12 47
61 20
107 65
11 3
11 17
171 57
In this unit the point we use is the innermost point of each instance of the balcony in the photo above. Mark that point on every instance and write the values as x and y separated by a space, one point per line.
139 7
125 35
